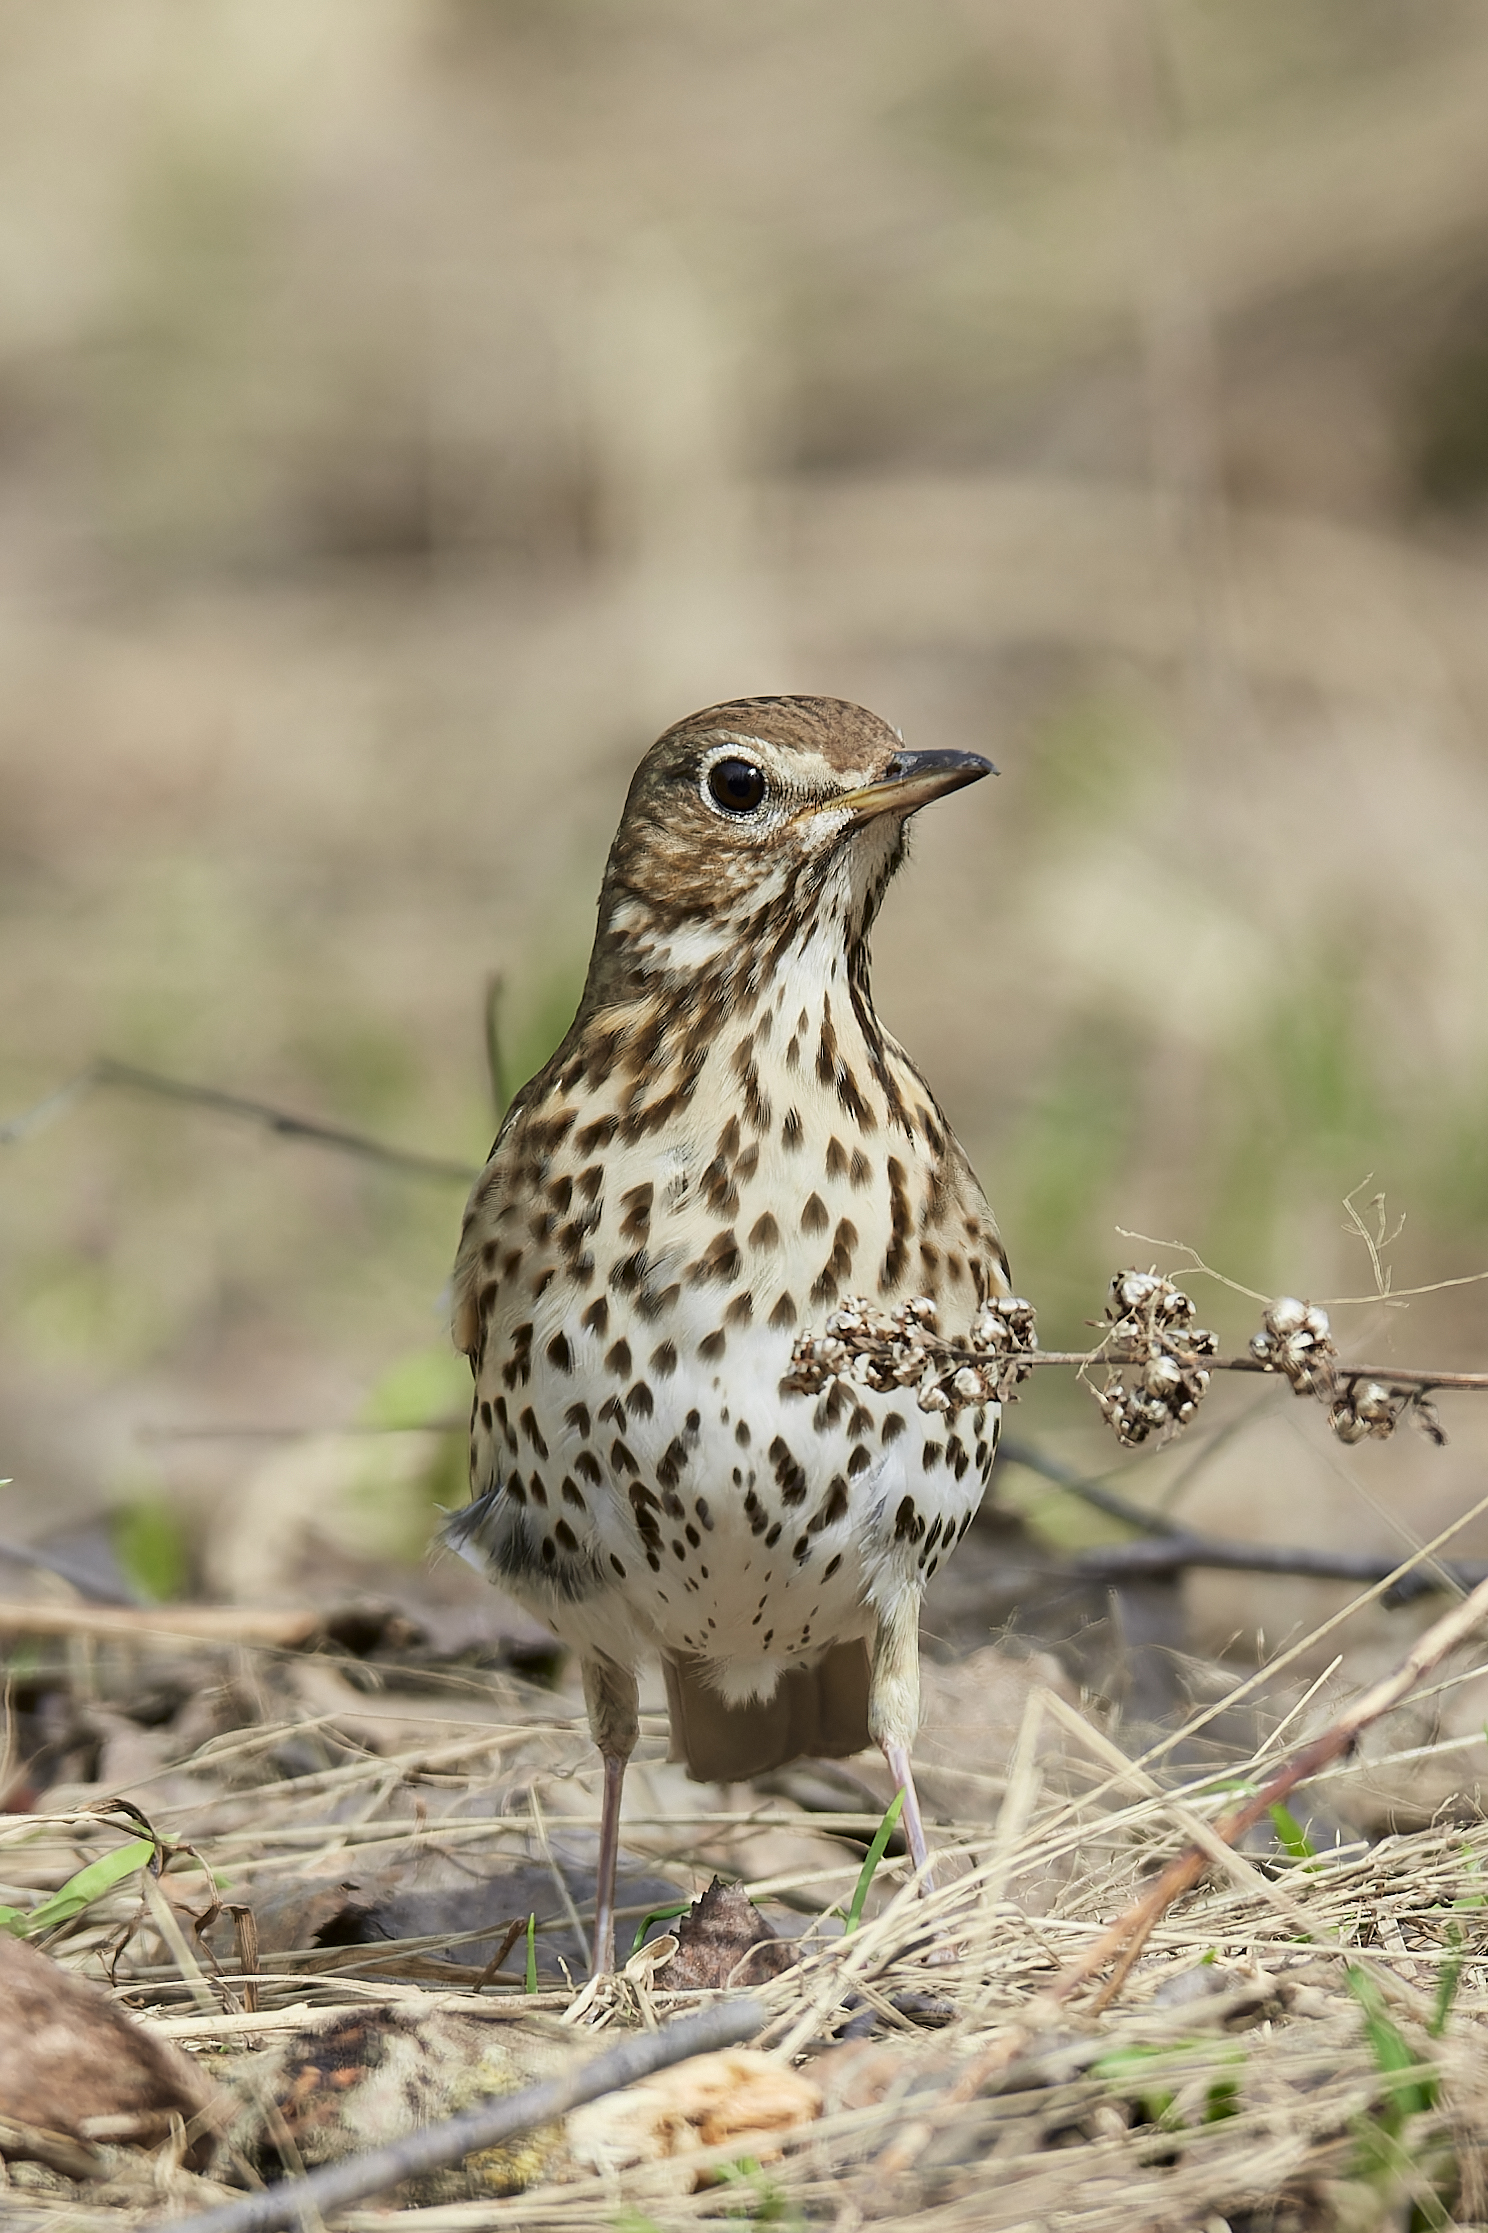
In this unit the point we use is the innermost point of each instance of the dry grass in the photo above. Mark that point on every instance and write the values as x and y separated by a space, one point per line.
1242 2073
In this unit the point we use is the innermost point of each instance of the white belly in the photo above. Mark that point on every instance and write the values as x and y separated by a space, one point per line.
671 1501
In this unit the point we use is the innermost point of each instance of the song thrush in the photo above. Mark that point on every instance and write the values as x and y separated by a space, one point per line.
726 1144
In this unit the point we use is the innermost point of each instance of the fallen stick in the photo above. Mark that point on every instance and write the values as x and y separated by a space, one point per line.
727 2024
1170 1554
213 1624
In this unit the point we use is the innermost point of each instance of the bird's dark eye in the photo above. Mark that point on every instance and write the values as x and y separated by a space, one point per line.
735 785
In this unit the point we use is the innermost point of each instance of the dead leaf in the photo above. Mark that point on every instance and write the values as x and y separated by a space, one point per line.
724 1940
72 2064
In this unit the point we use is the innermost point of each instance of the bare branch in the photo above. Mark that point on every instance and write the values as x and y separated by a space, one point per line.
126 1075
493 2122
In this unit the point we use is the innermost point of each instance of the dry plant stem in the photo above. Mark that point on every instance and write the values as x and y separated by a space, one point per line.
215 1624
106 1072
1400 1377
1126 1937
727 2024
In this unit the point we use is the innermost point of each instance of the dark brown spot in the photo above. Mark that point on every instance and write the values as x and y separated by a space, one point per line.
931 1455
664 1360
859 1462
764 1232
836 1158
784 1313
515 1489
535 1488
636 1203
577 1416
485 1416
788 1472
908 1526
566 1536
791 1132
559 1356
588 1468
588 1183
572 1496
713 1345
771 1539
740 1310
617 1360
814 1215
720 1260
620 1457
529 1426
672 1460
596 1135
597 1317
705 1517
741 1434
638 1401
831 1567
619 1569
862 1169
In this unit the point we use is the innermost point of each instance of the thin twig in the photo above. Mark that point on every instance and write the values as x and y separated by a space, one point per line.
1399 1376
490 2125
1170 1553
128 1076
1093 1493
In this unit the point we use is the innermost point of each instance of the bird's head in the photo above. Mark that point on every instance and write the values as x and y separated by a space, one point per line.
753 822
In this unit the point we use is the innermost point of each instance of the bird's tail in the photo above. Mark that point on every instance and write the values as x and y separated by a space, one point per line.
818 1712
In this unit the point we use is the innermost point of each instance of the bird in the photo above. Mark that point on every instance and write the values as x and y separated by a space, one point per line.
727 1144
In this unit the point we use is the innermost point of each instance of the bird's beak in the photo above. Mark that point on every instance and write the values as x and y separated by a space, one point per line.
913 780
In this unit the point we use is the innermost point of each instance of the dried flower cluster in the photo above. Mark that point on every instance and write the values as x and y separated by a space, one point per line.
1158 1383
900 1348
1295 1340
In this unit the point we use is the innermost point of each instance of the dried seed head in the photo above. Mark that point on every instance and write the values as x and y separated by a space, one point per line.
1295 1341
900 1348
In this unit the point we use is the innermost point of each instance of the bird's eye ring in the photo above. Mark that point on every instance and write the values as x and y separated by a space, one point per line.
736 785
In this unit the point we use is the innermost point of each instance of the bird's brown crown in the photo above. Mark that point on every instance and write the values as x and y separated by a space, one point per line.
749 818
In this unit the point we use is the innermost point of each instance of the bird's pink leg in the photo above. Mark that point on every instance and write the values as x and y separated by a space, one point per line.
609 1853
613 1701
897 1755
894 1715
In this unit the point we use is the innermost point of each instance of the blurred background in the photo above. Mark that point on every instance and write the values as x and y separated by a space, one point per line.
410 407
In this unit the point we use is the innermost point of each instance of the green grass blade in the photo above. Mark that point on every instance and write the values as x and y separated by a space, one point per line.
1290 1833
1410 2089
531 1985
876 1852
88 1885
657 1915
1446 1983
